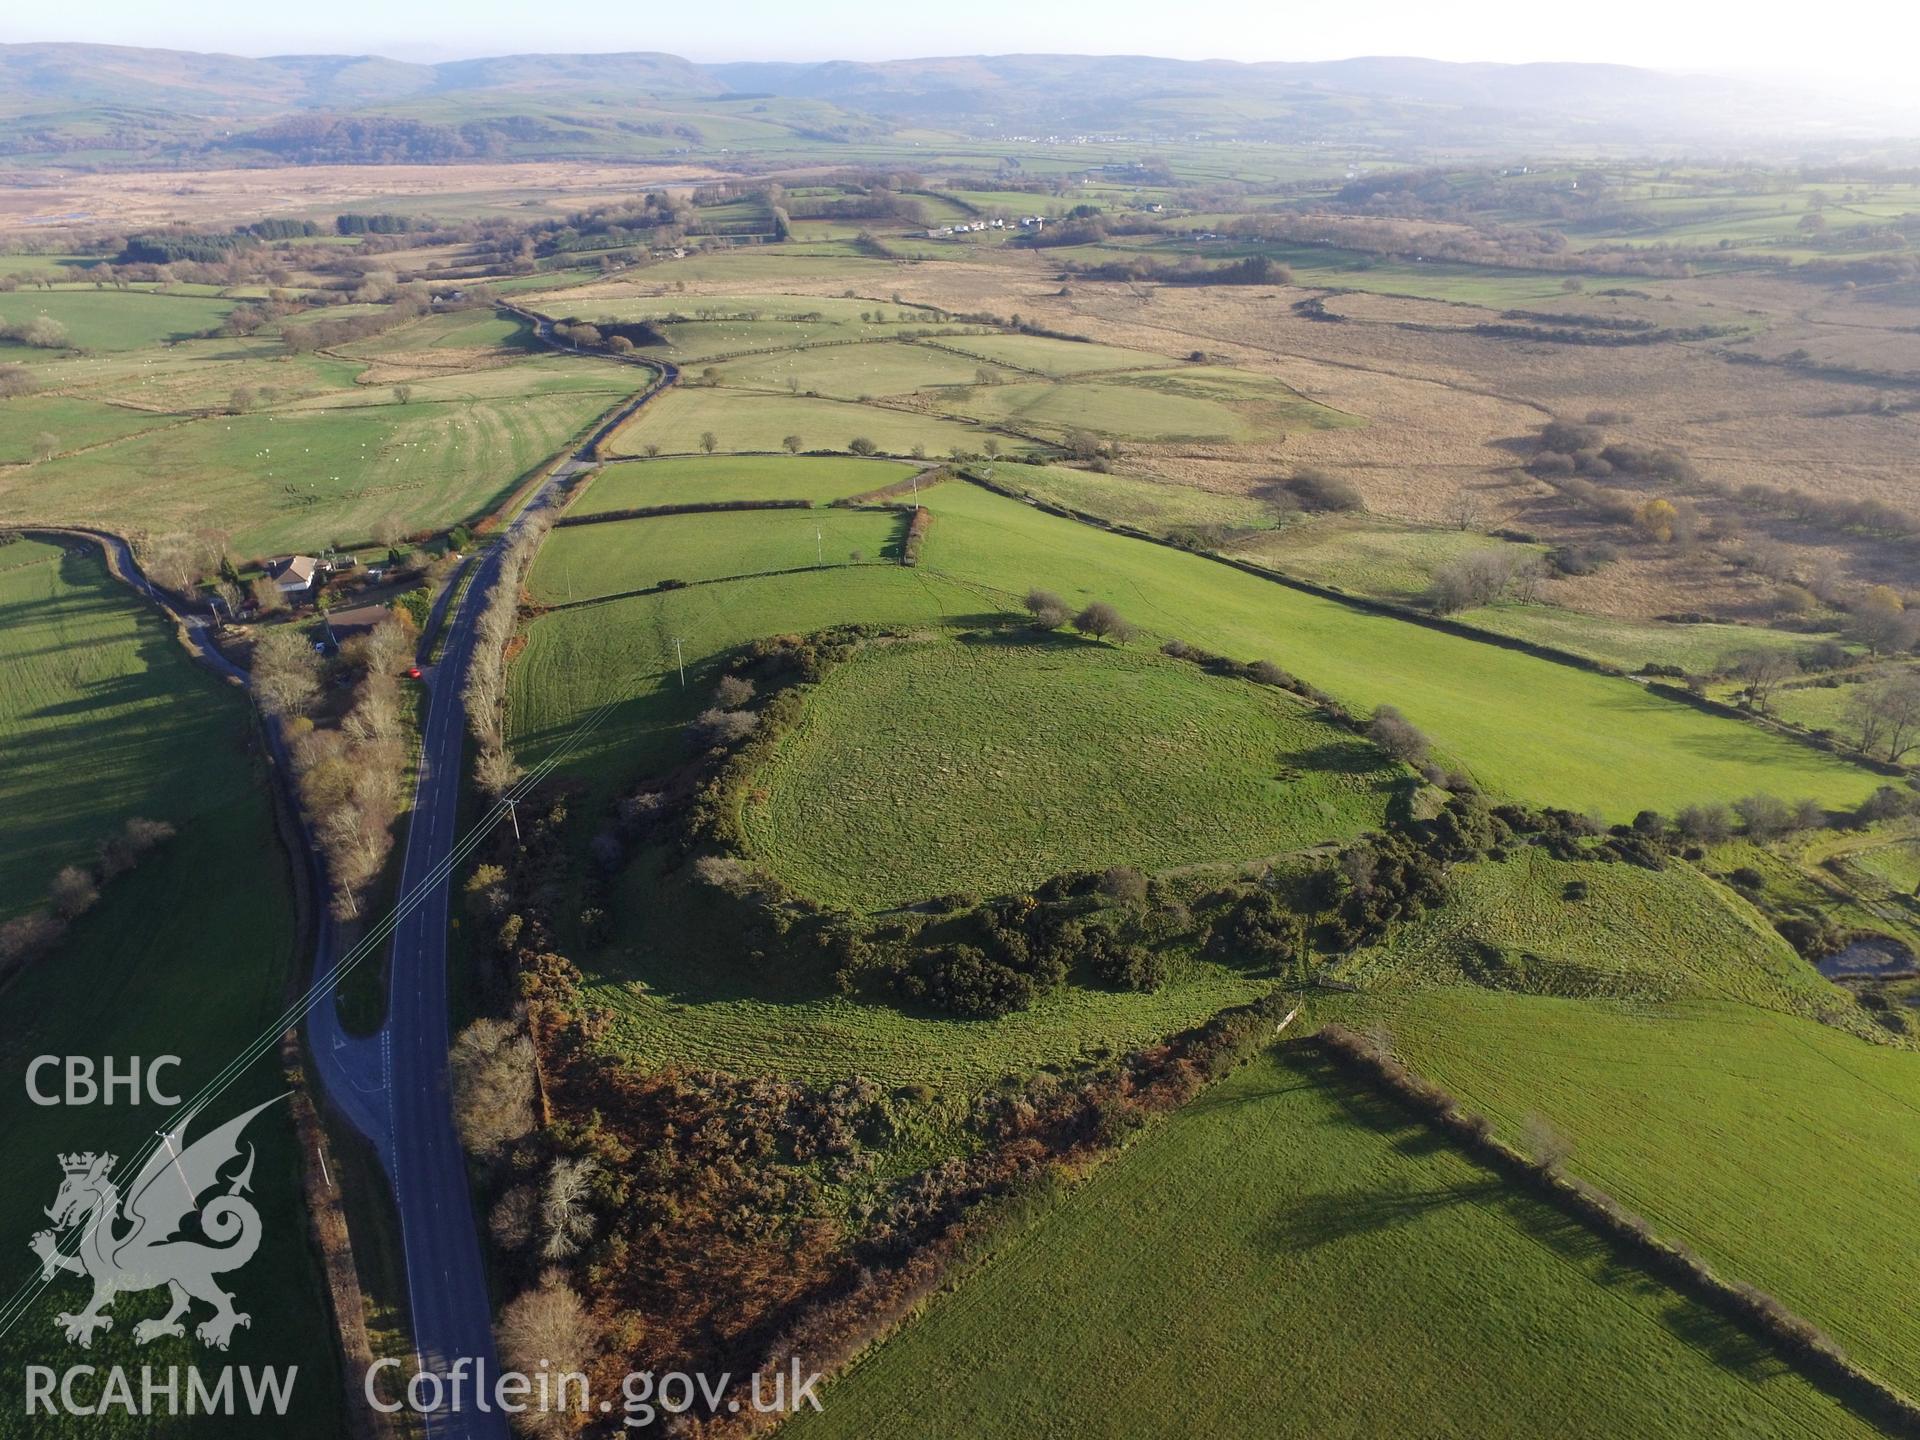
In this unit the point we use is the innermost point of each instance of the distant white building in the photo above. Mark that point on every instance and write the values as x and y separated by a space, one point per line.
295 574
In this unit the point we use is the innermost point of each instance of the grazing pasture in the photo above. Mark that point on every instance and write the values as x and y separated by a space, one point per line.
848 372
1630 644
92 729
110 319
1535 925
1523 726
585 562
1369 556
742 421
687 480
1042 355
28 421
1199 405
988 766
1285 1215
1780 1148
102 717
1156 506
297 479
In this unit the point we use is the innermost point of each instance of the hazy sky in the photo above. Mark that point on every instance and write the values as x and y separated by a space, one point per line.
1877 38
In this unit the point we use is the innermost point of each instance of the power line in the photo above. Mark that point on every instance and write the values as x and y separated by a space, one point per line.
15 1308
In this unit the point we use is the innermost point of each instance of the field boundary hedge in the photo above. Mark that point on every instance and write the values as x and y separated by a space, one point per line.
1798 1342
931 476
917 528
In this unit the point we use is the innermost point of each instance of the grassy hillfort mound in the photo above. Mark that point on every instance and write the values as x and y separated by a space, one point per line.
948 765
1104 685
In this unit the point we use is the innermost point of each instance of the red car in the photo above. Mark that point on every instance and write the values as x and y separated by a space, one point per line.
413 672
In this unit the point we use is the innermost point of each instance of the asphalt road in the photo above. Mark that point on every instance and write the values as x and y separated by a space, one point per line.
446 1276
394 1086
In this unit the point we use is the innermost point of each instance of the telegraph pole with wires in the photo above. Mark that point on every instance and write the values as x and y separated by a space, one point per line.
819 548
513 813
680 661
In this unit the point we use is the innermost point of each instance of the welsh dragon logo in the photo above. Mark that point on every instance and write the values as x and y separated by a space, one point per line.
136 1243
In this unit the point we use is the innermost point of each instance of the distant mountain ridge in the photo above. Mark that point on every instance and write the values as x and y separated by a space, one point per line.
45 88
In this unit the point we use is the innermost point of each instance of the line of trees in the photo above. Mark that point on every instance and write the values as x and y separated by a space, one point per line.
348 773
76 888
485 694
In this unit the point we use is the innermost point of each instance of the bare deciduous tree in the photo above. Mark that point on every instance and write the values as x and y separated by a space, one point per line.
1103 622
1544 1143
732 692
564 1213
267 597
1761 673
1477 578
73 892
1465 509
548 1330
492 1068
1049 610
1885 716
1397 735
286 672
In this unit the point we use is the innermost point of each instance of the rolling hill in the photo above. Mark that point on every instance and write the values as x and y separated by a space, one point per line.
121 105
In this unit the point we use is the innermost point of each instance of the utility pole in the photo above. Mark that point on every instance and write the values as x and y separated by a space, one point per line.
680 661
819 548
513 813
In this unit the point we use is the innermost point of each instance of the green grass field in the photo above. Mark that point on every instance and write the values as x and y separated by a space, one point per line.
710 328
73 424
589 561
1290 1257
847 372
1782 1149
1042 355
102 716
1524 727
749 421
298 479
1638 934
687 480
461 330
948 765
111 319
92 729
